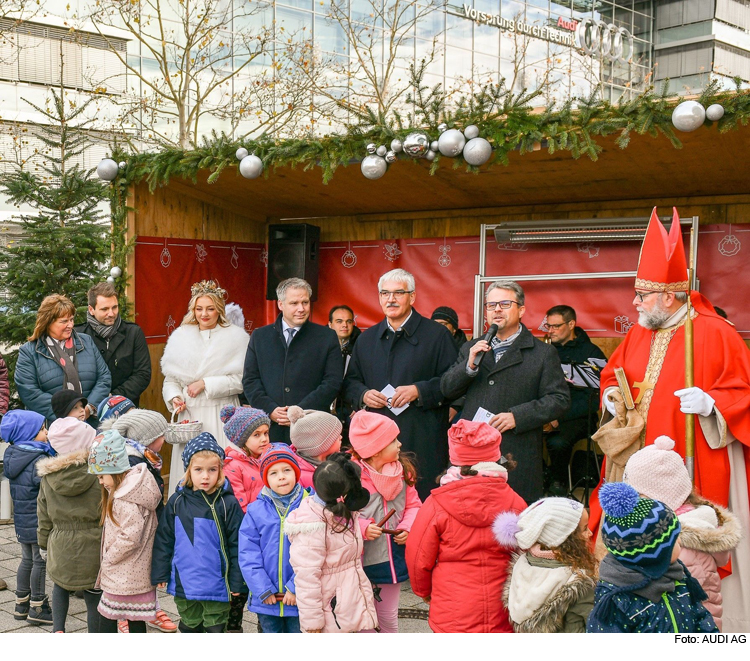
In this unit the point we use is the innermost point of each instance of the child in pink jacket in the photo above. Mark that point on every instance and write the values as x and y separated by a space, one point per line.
389 477
333 593
315 436
709 532
246 430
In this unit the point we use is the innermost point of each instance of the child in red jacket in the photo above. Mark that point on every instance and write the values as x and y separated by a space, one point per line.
455 524
246 430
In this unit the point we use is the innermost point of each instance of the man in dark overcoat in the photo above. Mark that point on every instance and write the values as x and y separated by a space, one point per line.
292 361
520 382
409 352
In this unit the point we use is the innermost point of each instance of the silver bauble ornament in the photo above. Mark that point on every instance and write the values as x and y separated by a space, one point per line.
241 153
396 145
115 271
451 142
477 151
382 150
107 170
416 145
122 165
688 116
251 167
434 145
430 155
373 166
110 279
471 132
715 112
442 127
371 148
390 157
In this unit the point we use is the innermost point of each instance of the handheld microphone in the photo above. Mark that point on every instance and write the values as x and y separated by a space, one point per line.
488 337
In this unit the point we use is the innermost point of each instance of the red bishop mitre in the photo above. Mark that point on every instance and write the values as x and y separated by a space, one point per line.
662 265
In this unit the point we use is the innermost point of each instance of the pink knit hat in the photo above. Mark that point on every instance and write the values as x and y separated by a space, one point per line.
659 473
70 434
370 432
472 442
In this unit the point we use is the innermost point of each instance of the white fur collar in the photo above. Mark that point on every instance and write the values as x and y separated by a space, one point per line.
531 586
188 357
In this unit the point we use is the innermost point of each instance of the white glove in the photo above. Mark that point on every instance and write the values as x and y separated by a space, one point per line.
607 402
43 554
694 400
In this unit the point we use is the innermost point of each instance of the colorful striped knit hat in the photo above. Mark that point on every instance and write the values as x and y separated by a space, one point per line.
113 407
241 421
275 453
639 532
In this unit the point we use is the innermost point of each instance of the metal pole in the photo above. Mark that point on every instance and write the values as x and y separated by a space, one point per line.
690 367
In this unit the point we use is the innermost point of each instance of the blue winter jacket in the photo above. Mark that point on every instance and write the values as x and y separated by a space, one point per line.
264 554
676 612
38 376
19 466
195 549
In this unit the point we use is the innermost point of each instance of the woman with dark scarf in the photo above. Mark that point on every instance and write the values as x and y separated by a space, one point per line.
57 358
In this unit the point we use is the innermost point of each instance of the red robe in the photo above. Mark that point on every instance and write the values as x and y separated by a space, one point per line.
722 369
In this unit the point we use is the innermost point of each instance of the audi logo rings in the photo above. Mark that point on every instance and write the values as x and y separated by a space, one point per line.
607 40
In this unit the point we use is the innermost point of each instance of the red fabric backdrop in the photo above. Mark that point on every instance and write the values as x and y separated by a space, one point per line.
444 269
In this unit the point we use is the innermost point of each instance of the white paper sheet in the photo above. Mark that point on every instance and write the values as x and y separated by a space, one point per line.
389 391
482 415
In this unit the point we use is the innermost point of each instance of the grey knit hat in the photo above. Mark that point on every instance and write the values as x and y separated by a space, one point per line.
141 425
312 432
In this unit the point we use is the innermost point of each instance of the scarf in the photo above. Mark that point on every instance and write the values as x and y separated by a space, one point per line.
103 331
389 481
282 503
46 448
153 458
499 347
537 551
483 468
65 357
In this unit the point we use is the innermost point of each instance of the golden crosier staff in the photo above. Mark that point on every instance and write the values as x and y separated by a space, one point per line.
690 370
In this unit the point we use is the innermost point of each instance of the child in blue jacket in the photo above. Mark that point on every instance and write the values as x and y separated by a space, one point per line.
26 432
643 587
262 540
195 549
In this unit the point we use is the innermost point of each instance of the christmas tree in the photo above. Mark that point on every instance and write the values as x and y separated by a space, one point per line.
65 244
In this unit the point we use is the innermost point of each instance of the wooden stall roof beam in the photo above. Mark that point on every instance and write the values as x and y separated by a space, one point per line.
709 164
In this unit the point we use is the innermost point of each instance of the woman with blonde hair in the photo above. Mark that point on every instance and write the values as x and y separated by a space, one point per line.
57 358
202 366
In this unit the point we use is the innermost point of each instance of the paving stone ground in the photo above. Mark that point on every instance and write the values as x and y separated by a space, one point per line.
10 556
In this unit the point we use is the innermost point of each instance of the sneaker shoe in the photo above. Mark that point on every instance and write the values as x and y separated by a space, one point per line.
22 607
40 612
122 626
162 623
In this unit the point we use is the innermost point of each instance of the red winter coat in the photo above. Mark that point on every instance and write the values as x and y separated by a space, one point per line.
243 473
453 557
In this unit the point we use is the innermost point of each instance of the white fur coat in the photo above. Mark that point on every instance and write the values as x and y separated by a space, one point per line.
216 356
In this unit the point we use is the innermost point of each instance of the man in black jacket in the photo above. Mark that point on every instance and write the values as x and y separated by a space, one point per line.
573 348
292 361
121 343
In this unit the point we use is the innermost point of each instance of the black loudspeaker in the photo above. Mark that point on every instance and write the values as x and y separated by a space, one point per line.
293 252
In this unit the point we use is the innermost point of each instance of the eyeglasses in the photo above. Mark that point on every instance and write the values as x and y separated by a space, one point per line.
503 305
399 293
643 295
547 326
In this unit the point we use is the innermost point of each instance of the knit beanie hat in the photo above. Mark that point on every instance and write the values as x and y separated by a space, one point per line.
313 432
20 426
472 442
658 472
241 421
108 455
445 313
141 425
113 407
63 402
276 453
549 521
203 441
70 434
370 432
639 532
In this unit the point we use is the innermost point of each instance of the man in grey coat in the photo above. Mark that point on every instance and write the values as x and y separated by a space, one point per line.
520 383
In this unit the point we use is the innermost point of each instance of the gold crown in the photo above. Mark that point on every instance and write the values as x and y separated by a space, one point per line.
208 287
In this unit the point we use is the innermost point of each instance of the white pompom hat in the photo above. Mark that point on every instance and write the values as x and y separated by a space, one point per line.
659 473
549 521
